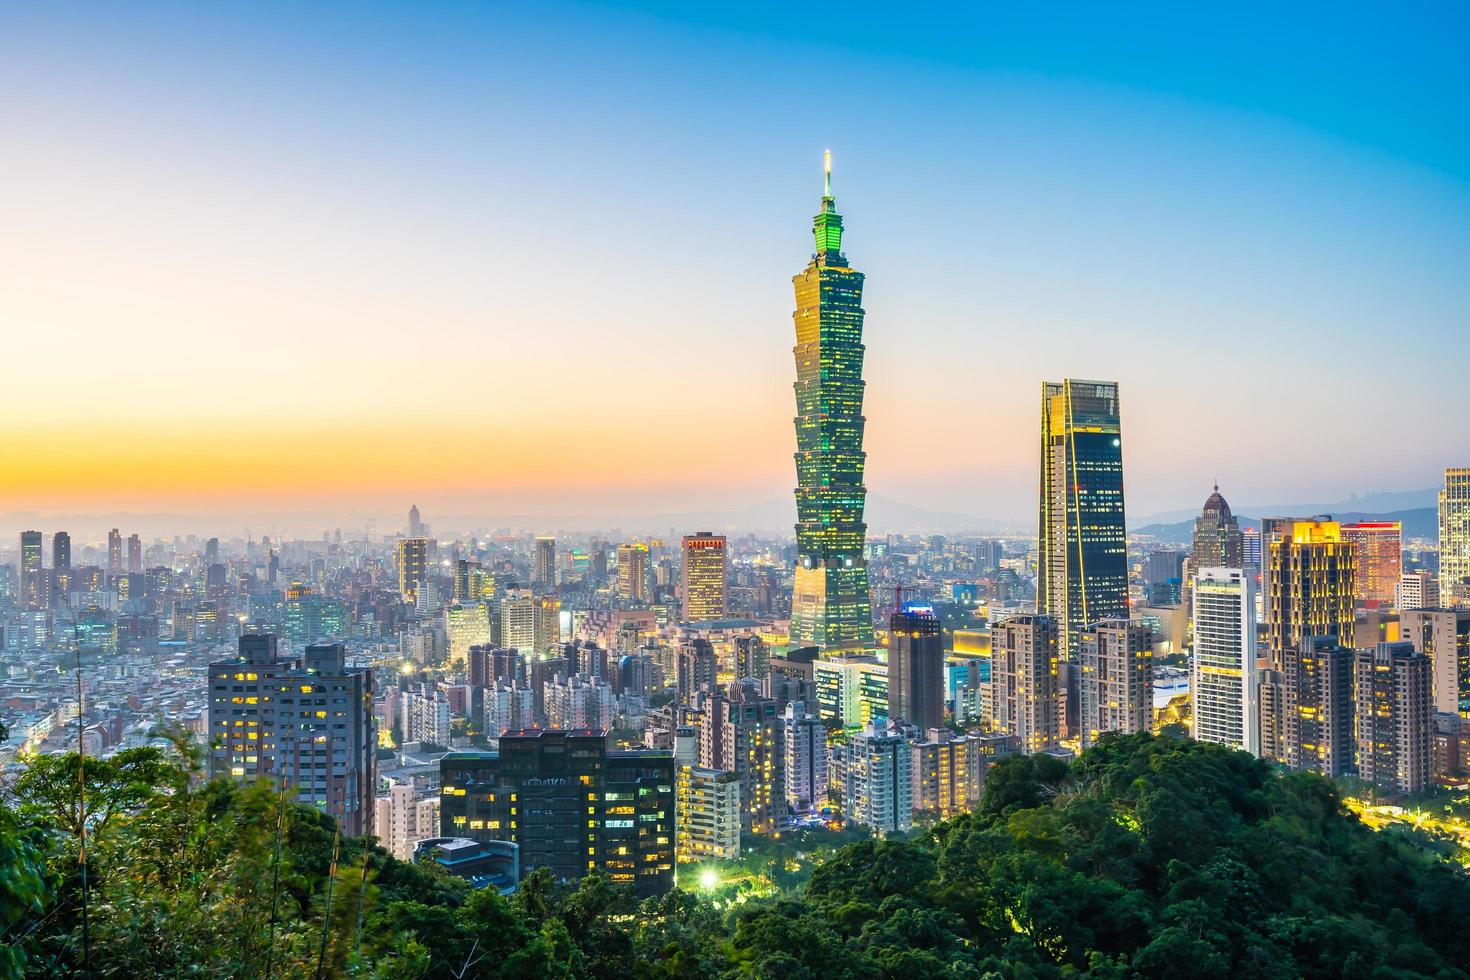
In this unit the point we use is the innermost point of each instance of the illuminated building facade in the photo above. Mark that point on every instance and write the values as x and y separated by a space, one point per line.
878 787
570 804
806 759
1394 717
1024 653
31 574
114 551
831 606
949 773
306 723
1217 542
1378 546
1311 581
852 689
633 572
1224 681
413 567
1418 589
1082 558
1454 530
743 733
702 577
1115 676
707 804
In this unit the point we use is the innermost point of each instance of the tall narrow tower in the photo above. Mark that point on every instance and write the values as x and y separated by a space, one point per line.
1082 574
830 606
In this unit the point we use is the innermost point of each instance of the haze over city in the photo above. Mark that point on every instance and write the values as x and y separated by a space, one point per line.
516 261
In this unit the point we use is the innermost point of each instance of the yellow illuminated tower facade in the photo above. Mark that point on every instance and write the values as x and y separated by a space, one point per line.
1454 531
831 606
702 577
413 567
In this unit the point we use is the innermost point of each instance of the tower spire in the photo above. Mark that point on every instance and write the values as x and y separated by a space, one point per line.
827 168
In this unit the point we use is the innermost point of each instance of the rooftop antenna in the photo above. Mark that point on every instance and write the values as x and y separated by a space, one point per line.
827 167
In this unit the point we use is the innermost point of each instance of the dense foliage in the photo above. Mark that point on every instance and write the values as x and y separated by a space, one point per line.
1151 857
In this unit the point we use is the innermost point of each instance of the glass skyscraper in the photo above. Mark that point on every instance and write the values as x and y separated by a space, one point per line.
1082 573
831 605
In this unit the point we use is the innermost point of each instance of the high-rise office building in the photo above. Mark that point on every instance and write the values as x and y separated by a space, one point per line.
916 668
1082 558
517 623
707 803
61 551
633 572
543 563
743 733
114 551
1443 635
1395 718
415 525
548 624
467 626
569 803
703 576
1115 669
1023 680
1224 679
831 606
1454 530
806 759
32 574
1378 546
413 567
305 723
878 780
135 554
1218 542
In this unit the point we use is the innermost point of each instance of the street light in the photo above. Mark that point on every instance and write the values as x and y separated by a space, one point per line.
709 879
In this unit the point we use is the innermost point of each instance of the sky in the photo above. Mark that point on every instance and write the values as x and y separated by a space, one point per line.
536 258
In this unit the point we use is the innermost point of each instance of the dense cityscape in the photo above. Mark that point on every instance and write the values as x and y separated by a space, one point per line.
1232 743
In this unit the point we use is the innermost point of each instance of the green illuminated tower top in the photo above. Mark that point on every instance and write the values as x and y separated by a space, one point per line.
831 606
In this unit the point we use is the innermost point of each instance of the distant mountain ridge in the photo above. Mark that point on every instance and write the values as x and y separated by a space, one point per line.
1418 522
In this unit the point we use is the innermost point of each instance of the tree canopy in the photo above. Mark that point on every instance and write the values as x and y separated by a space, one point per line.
1146 857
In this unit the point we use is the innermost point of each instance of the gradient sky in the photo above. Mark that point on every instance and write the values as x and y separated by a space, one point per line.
537 257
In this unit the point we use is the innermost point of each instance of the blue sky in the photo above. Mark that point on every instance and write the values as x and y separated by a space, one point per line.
577 224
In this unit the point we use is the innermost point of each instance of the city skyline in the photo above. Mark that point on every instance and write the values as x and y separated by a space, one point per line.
353 260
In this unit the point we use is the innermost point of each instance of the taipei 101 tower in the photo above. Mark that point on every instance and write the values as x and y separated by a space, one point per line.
830 605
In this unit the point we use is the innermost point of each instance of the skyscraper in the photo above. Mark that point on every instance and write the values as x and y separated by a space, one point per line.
1310 579
413 567
1395 727
633 572
61 551
1082 560
31 574
1023 681
114 551
806 759
1379 549
831 606
543 564
135 553
1115 669
1225 681
916 668
702 577
1218 542
1454 530
415 525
